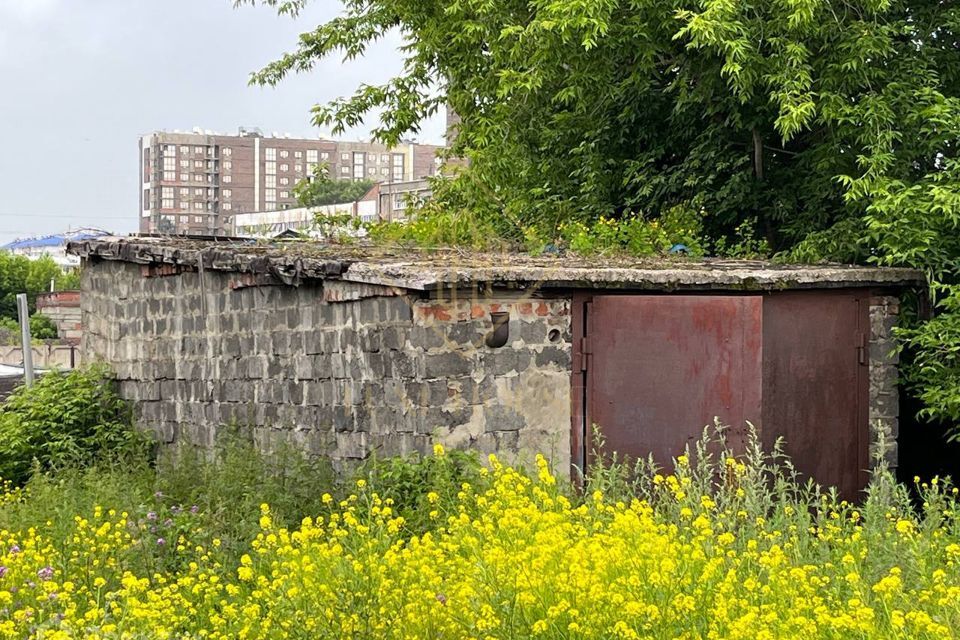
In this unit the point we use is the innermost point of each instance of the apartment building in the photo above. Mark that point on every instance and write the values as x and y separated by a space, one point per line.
196 182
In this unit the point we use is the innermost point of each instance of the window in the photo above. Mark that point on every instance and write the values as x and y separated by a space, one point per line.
298 154
397 167
198 192
284 194
227 206
383 171
169 164
184 219
169 176
184 205
184 192
270 195
298 168
169 150
227 179
166 198
399 201
384 158
184 177
227 193
228 166
284 153
184 150
372 171
198 219
198 149
284 167
345 157
359 160
198 164
197 177
312 155
324 156
284 181
345 170
227 151
198 206
271 182
271 154
271 168
184 164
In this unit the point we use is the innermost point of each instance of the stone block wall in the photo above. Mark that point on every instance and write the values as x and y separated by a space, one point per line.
341 369
884 409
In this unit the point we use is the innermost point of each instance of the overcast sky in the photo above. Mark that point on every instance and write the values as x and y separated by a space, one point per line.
81 80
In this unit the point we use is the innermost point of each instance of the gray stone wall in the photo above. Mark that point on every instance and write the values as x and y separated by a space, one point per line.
884 409
341 369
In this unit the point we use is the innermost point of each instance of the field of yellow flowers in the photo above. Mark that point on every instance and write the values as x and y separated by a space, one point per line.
726 549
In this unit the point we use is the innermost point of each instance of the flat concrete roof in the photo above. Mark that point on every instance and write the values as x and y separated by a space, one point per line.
427 270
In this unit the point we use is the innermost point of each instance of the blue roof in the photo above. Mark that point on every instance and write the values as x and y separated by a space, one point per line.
51 241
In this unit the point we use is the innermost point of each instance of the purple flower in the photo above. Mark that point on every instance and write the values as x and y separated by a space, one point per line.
175 509
167 522
3 571
46 573
152 515
15 549
194 509
161 541
158 494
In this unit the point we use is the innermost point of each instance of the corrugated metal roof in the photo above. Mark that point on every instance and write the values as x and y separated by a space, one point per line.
56 240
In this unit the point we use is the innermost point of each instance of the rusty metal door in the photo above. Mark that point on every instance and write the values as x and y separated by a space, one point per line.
815 388
659 368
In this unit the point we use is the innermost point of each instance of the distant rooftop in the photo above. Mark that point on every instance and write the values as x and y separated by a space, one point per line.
56 240
425 270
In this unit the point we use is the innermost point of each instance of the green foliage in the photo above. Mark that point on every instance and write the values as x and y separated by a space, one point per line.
19 274
230 483
829 128
635 234
42 327
65 420
423 488
744 244
320 189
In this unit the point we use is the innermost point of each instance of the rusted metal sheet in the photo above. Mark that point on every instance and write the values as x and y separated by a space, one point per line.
815 384
660 368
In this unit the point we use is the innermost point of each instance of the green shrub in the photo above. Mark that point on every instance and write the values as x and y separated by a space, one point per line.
229 483
422 487
66 420
42 328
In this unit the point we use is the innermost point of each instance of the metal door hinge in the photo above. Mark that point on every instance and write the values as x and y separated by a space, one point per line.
584 352
862 349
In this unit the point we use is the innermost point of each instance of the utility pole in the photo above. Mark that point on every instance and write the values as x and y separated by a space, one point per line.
24 313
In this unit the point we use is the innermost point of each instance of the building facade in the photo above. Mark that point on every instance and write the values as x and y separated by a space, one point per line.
196 182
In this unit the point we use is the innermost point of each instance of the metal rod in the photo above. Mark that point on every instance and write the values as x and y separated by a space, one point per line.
24 312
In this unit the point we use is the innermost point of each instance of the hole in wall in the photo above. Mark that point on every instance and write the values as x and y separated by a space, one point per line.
553 335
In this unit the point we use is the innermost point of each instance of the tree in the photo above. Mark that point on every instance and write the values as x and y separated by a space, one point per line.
19 274
832 125
319 189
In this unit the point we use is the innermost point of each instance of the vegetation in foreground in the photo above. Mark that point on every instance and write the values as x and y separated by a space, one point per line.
727 547
102 541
